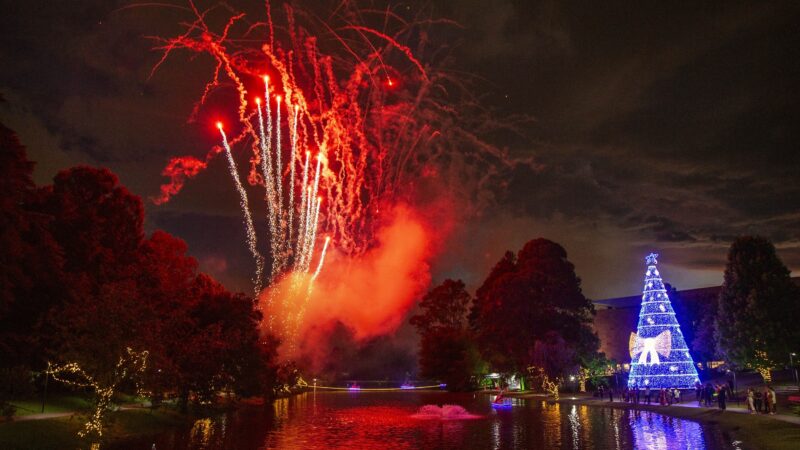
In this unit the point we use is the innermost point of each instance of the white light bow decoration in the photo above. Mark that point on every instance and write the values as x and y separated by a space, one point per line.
649 349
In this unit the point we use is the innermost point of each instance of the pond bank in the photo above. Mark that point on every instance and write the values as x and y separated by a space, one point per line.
756 430
62 432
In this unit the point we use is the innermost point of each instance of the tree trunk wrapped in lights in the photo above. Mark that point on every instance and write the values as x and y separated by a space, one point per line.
129 366
583 375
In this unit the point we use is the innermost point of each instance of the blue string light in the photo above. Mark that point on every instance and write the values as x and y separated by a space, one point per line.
659 355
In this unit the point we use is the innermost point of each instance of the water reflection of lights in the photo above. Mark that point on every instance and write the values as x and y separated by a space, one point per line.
281 407
574 426
657 432
551 418
583 416
202 432
495 430
377 421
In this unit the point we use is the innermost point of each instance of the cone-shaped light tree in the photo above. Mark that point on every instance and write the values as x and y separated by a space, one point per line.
659 355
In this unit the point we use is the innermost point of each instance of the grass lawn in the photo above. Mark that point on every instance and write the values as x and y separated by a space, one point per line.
41 434
62 433
55 403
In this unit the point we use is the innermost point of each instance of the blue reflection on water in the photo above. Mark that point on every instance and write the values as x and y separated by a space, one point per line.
657 432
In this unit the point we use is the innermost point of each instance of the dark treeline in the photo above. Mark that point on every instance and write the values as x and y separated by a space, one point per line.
81 282
529 319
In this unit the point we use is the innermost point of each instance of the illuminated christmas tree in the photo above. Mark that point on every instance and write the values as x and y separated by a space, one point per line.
659 355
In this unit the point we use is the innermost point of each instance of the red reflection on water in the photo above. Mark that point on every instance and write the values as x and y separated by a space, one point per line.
368 427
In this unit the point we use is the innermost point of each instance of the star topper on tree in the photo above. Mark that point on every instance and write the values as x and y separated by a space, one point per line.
651 259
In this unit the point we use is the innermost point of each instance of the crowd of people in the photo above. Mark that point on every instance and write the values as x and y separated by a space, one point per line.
662 396
705 394
761 401
758 401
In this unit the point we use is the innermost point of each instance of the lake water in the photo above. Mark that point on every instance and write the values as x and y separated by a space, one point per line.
386 420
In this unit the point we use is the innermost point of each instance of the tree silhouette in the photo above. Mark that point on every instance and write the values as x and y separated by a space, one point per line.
530 303
759 307
447 350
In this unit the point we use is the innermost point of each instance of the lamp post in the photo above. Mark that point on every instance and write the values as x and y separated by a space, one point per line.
734 386
46 376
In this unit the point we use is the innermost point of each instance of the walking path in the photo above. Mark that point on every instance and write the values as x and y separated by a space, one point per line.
55 415
793 419
42 416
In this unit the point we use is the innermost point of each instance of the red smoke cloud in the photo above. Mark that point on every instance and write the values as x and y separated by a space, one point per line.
178 170
369 293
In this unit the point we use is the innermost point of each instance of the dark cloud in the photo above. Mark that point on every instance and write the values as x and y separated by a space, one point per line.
657 125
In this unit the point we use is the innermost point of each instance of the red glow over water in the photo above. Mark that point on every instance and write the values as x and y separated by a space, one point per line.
371 421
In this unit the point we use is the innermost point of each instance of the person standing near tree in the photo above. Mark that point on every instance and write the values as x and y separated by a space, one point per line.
750 406
709 394
721 398
767 401
758 398
773 400
698 393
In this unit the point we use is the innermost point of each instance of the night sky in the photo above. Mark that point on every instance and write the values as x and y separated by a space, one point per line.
663 127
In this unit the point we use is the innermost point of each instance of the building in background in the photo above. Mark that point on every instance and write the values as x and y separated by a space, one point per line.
617 317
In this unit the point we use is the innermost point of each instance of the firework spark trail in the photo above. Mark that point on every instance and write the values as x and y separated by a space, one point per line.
313 239
311 230
248 218
266 167
292 177
303 200
368 117
309 289
280 232
277 262
306 228
321 258
278 151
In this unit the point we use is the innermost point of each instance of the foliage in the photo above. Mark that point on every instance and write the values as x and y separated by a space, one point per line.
15 382
450 356
445 306
530 315
30 261
759 307
447 349
80 282
7 410
697 322
595 369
